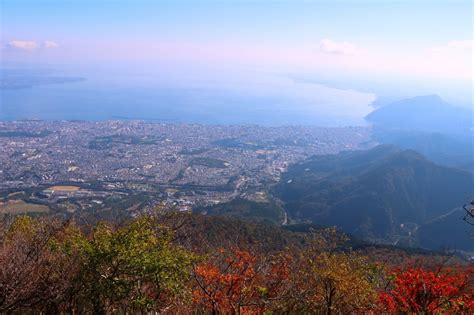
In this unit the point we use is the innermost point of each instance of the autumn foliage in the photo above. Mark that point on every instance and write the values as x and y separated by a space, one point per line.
236 282
424 291
154 264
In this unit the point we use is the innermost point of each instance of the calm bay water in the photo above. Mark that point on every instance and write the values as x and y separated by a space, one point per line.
283 104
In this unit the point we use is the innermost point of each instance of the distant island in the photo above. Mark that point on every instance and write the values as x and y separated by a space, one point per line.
27 82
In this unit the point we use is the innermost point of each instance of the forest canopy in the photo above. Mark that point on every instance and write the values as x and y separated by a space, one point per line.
174 263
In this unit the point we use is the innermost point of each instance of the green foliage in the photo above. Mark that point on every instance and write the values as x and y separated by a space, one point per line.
208 162
237 144
135 262
148 264
248 210
24 134
103 142
381 195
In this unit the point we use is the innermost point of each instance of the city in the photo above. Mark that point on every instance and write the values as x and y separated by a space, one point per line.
137 165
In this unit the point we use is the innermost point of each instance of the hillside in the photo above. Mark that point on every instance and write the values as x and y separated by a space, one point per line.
262 212
384 194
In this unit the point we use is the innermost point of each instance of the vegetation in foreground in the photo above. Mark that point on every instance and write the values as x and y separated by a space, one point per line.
172 263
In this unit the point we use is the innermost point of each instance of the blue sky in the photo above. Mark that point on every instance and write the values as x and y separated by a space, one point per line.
429 40
388 23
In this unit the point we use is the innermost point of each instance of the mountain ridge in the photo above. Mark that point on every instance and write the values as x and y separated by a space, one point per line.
373 194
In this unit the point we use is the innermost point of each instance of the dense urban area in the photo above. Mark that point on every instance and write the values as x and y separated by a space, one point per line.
63 166
182 262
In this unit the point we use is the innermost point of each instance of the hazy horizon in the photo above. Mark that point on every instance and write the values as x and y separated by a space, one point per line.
324 63
236 157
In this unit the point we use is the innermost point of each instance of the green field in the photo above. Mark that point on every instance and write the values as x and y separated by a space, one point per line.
208 162
21 207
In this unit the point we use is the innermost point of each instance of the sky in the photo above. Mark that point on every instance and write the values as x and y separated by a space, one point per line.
430 41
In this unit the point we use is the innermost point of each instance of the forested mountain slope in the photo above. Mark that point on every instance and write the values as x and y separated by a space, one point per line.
383 194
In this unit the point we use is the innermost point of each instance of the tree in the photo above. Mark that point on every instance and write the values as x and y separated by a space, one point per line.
33 273
132 267
417 290
469 216
50 266
328 280
236 282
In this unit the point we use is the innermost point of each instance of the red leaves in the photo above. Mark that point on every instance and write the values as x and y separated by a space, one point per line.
237 282
54 267
419 290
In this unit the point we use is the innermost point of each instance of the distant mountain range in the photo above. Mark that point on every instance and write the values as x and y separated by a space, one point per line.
390 194
384 194
427 124
423 113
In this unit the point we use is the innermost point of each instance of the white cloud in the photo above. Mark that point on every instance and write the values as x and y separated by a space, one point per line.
468 43
31 45
453 46
50 44
340 48
27 45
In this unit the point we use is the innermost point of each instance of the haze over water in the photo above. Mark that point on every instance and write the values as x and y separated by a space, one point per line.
232 62
266 100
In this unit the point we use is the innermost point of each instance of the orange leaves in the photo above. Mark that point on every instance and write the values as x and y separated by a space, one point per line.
333 282
48 266
228 284
238 282
419 290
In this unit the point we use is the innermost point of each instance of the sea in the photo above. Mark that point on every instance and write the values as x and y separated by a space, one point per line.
280 102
